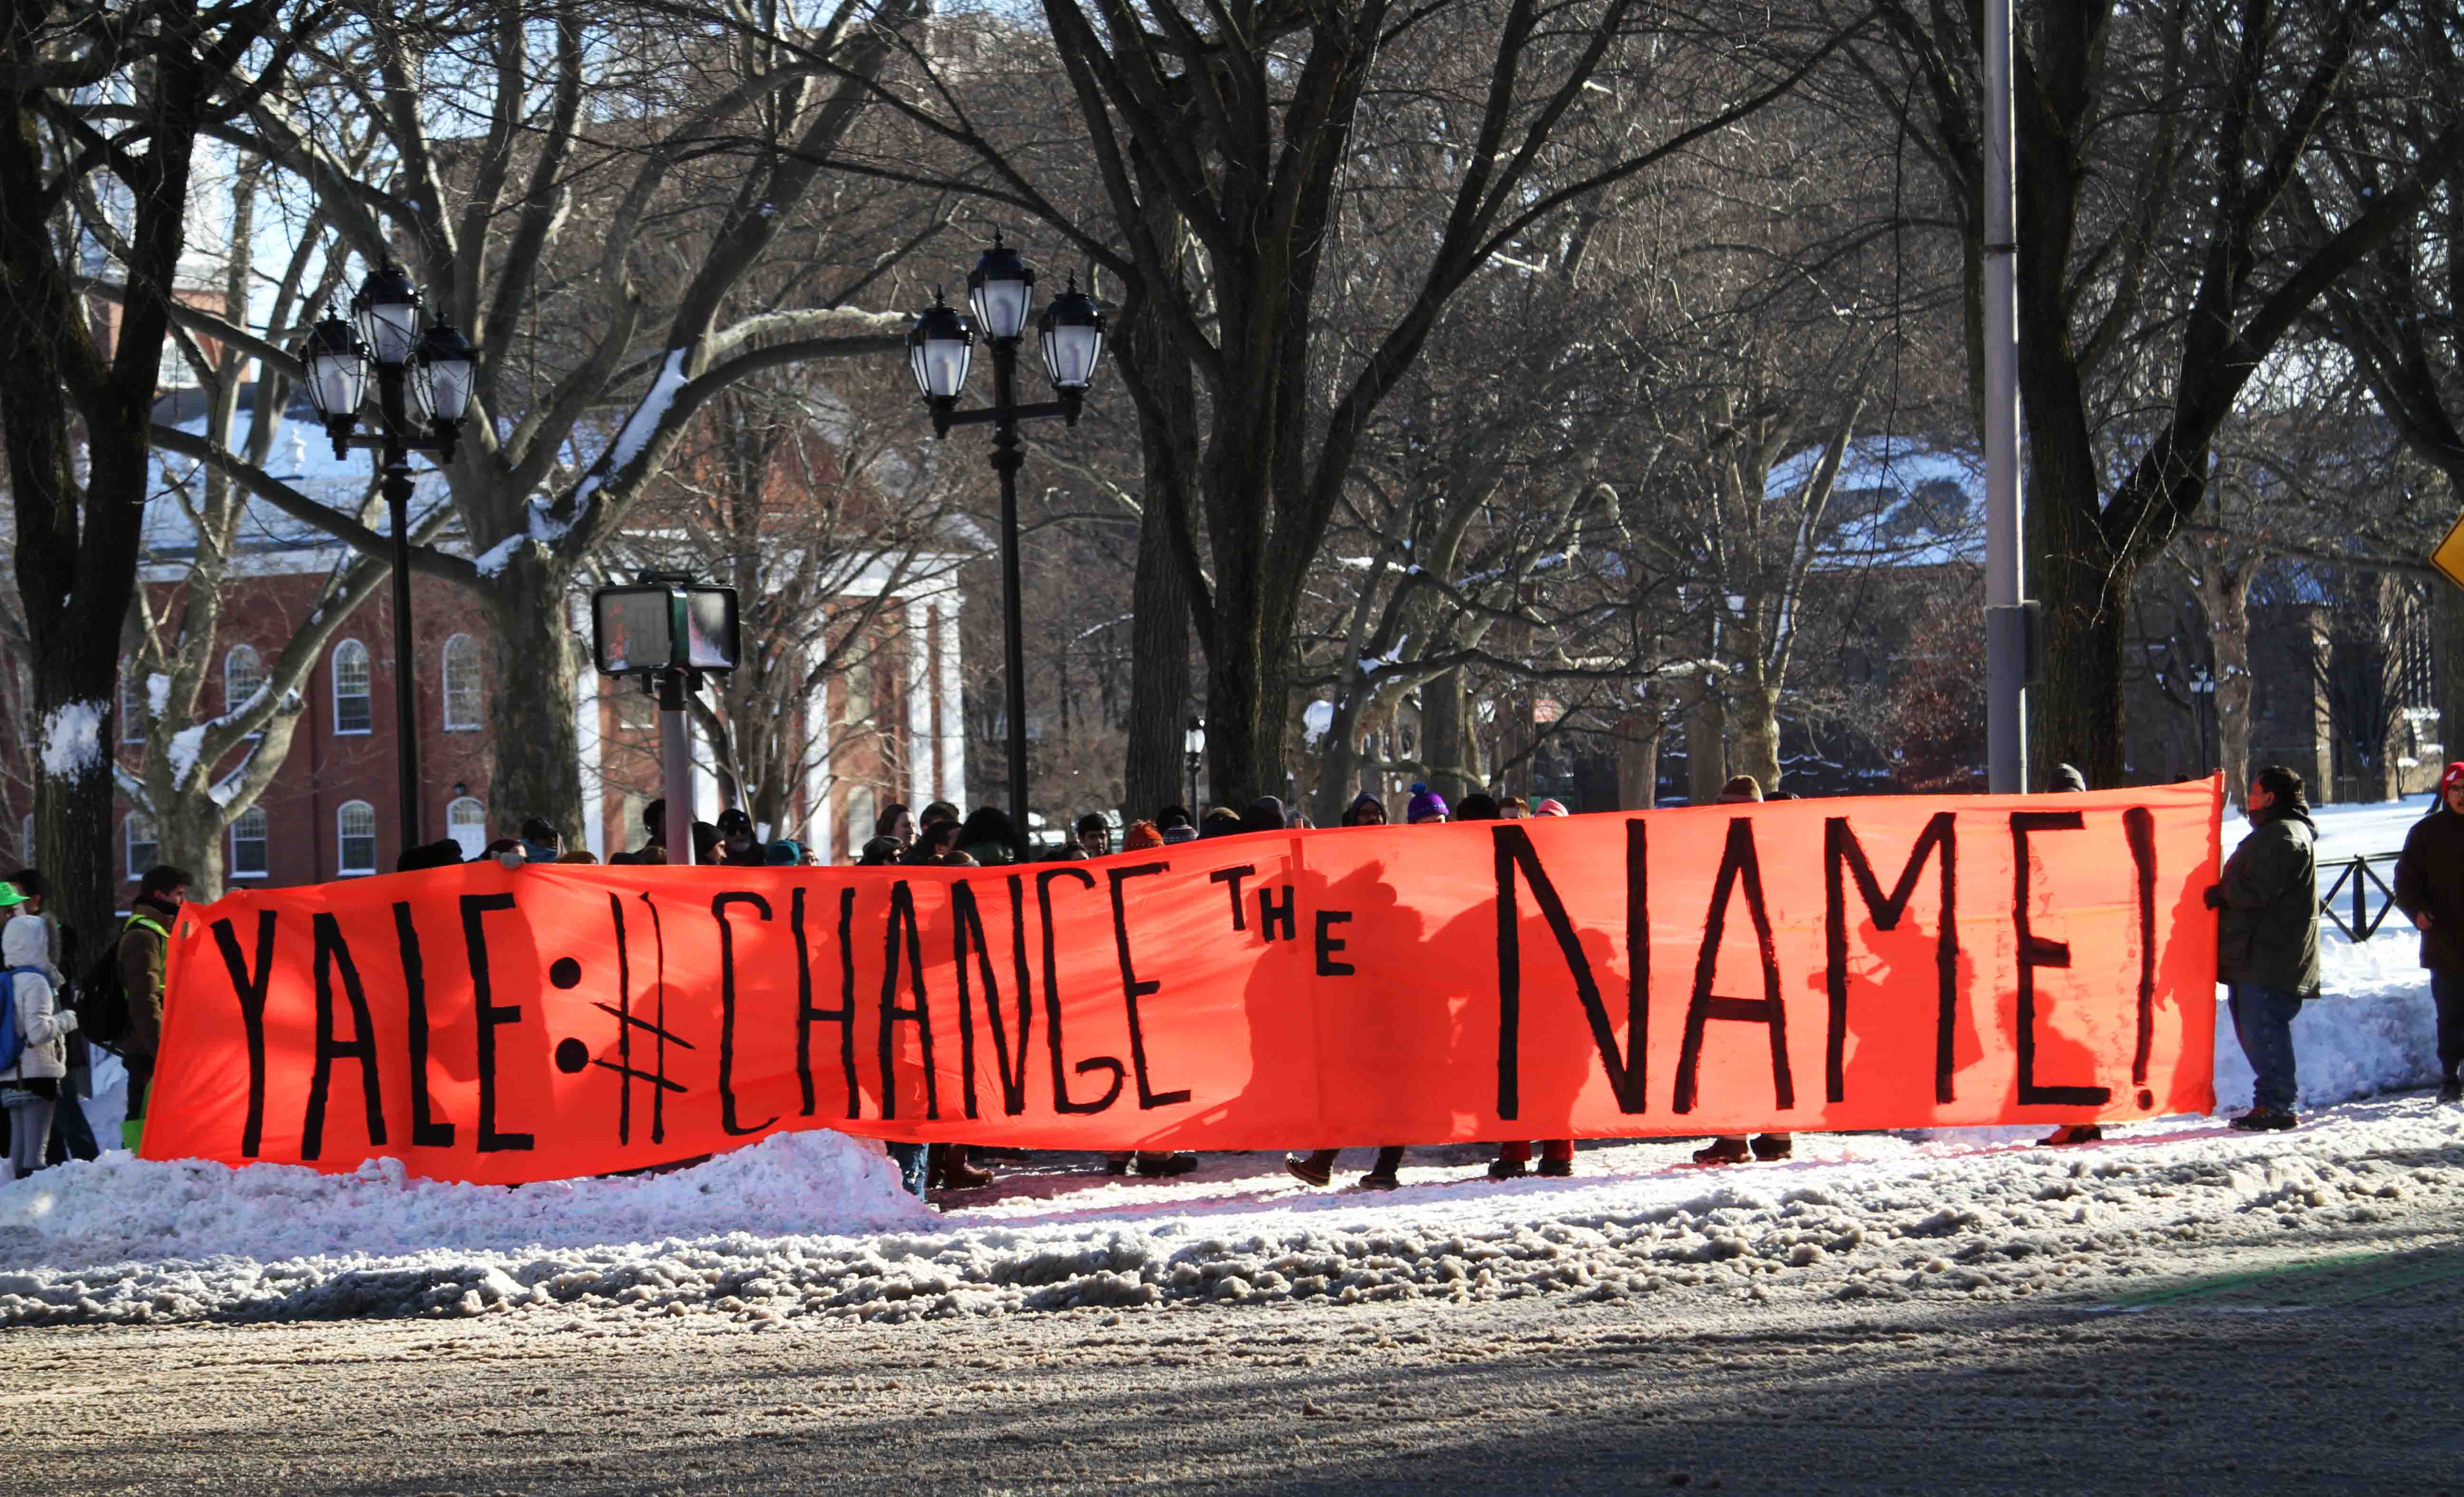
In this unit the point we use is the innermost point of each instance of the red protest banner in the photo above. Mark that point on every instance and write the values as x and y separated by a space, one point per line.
1814 964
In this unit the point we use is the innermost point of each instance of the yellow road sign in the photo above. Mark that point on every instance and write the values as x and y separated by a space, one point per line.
2449 557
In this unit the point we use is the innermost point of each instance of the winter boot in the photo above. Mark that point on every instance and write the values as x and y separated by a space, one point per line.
2452 1090
1723 1150
1166 1164
1507 1168
1314 1170
1773 1145
951 1170
1381 1174
2264 1120
1556 1169
1118 1163
2072 1133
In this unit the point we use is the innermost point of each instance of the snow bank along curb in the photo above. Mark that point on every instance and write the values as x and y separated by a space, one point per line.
1876 1218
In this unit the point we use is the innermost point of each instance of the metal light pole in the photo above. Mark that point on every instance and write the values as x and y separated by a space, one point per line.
423 390
2008 623
667 627
1000 291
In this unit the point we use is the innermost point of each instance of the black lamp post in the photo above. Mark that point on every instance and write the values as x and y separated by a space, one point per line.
423 390
1192 745
1000 291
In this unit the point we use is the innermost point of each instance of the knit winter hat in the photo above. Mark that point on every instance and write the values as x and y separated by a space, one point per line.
1427 805
2453 777
1550 807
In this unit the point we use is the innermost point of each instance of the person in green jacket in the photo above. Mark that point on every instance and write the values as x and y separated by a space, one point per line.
2267 938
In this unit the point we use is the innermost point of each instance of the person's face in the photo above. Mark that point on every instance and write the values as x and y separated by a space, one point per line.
176 896
903 829
2259 799
2455 796
738 840
1098 840
1513 813
1372 814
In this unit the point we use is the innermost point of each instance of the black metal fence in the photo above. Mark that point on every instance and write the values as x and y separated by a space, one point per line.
2359 900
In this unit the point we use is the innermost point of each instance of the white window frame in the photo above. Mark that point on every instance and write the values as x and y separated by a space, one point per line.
367 693
471 689
468 852
153 843
232 701
133 719
342 837
263 839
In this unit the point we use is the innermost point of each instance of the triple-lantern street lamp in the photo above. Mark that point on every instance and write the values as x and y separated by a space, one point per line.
423 379
1000 292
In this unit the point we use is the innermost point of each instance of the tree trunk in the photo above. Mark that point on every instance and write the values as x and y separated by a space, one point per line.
1155 775
538 751
2224 596
1445 733
1637 761
1339 761
1707 750
2085 590
1756 732
191 837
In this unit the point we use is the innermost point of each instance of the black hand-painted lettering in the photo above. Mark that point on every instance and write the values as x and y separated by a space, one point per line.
1061 1100
626 1021
2139 827
426 1131
807 1015
1327 945
1841 850
1233 876
1739 866
1513 849
491 1016
902 918
1134 988
1274 918
332 951
967 922
727 1009
2034 952
250 990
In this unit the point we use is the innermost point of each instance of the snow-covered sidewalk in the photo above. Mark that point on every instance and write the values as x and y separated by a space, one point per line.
813 1224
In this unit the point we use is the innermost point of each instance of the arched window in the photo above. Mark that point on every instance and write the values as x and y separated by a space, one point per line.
466 821
351 713
133 703
461 684
143 851
243 676
247 844
357 823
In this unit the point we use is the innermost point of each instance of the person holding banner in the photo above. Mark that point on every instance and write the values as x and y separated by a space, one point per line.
2430 890
145 945
2267 939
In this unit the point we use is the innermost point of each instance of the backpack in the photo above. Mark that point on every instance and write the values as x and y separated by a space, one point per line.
13 1040
101 1002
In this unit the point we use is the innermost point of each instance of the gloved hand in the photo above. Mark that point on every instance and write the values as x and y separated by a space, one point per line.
2214 896
67 1019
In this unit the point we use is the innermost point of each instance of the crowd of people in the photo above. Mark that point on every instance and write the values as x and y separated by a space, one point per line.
2265 898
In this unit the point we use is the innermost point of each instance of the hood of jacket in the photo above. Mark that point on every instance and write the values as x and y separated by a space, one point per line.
24 942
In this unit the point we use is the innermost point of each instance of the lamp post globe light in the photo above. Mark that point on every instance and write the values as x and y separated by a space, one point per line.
1192 745
1000 294
423 379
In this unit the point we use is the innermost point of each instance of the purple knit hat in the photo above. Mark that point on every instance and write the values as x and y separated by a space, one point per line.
1426 804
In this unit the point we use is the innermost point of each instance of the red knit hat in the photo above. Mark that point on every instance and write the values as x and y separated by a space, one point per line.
2453 777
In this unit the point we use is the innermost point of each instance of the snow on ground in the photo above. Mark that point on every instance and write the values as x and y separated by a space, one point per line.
813 1225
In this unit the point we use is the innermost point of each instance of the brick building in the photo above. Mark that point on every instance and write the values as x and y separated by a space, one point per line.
892 729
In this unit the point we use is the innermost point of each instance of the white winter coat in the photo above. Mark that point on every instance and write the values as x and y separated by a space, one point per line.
44 1025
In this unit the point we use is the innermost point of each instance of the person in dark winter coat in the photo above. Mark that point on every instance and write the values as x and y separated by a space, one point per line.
2430 890
1733 1148
988 836
2267 938
144 942
1365 810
